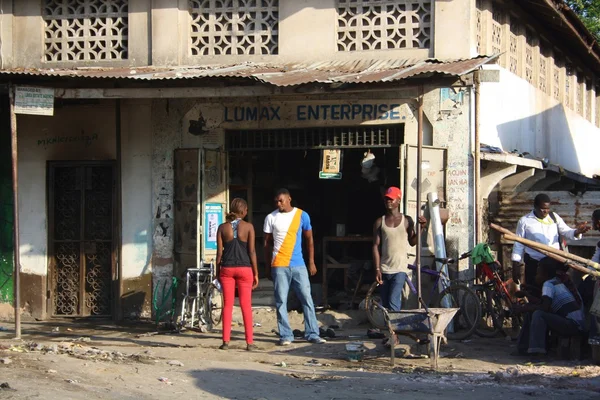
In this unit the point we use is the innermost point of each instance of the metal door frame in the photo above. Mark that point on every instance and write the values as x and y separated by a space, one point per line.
50 168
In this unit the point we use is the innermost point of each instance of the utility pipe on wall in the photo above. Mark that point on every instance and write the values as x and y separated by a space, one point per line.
15 188
419 178
477 162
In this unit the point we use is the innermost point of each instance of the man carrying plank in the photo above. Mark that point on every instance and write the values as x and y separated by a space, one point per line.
545 227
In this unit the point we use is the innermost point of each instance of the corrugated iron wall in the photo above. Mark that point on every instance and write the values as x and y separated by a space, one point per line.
572 209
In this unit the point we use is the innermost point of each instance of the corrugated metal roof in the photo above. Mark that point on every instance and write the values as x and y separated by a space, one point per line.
356 71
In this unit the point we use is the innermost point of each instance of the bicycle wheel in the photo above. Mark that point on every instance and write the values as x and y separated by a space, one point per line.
374 314
465 320
213 307
492 312
163 301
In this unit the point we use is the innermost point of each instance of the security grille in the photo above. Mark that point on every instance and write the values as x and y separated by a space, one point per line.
233 27
316 138
383 24
81 238
85 30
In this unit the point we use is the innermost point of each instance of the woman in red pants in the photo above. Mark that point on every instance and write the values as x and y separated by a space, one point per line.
236 265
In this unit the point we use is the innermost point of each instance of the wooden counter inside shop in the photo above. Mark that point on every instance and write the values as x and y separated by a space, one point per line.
329 262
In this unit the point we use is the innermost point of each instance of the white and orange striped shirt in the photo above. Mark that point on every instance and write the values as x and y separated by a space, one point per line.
287 231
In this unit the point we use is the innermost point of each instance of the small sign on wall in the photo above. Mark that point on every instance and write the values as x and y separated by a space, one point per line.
34 100
331 164
213 217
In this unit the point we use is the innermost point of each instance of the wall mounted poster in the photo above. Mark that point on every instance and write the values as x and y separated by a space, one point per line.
213 217
331 164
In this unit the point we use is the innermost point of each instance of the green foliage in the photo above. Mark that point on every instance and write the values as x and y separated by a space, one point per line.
589 12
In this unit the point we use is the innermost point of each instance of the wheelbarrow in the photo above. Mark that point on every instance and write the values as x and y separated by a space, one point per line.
413 323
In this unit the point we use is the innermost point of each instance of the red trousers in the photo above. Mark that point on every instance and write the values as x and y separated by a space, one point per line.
243 277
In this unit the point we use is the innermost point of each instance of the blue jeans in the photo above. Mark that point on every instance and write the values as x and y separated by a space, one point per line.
391 290
532 338
297 278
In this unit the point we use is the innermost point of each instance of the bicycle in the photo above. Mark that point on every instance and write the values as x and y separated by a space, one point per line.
168 301
497 304
202 304
453 295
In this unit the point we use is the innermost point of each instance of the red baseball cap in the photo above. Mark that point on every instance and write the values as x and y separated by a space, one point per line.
393 193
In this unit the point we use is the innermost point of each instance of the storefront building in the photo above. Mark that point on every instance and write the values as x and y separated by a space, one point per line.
155 129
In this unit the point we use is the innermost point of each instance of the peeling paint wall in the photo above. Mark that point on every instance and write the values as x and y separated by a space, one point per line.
448 112
167 123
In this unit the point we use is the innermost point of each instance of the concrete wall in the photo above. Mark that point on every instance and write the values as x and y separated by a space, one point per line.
453 31
515 115
136 176
448 112
73 133
42 139
23 45
159 35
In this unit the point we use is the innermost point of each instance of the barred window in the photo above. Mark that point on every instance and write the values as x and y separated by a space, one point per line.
588 100
497 21
556 72
234 27
479 27
579 94
383 24
513 53
529 44
85 30
568 84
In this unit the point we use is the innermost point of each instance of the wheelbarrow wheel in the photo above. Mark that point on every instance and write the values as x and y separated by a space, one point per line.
374 314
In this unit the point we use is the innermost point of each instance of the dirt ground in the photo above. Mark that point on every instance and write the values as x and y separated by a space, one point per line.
71 359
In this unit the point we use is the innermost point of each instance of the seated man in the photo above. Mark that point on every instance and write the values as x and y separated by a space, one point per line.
560 309
595 290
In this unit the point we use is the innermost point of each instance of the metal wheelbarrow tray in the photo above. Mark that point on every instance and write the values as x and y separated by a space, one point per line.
429 321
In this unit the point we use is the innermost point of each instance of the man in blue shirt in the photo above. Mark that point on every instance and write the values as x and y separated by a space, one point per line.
559 310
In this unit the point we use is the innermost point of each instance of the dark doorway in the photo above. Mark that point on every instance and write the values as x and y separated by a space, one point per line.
81 238
260 162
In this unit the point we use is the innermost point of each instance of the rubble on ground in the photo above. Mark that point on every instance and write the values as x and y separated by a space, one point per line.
83 352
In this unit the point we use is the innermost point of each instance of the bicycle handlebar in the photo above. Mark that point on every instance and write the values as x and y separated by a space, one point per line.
468 253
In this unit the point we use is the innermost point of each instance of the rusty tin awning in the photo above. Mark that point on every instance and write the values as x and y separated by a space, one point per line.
281 75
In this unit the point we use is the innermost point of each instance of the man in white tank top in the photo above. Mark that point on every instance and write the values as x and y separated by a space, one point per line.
394 233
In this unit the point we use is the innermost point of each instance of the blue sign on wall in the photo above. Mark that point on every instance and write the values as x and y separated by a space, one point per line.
213 217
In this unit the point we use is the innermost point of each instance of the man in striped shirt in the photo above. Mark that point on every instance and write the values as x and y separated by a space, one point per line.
284 229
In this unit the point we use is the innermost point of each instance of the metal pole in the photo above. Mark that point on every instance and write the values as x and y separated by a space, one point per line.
15 188
419 178
477 163
118 271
